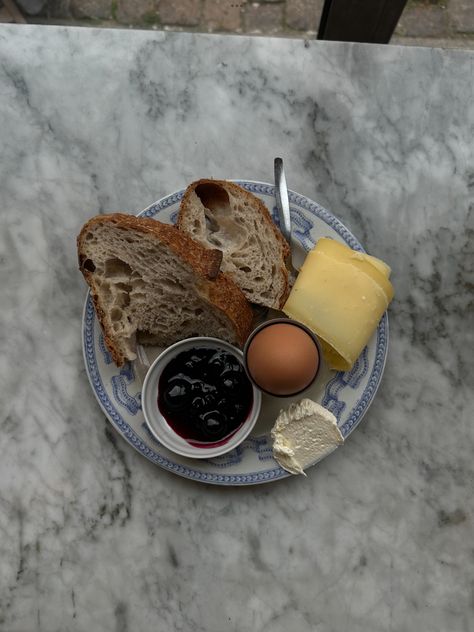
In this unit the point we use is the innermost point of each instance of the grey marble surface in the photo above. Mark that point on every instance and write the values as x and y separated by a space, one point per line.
94 537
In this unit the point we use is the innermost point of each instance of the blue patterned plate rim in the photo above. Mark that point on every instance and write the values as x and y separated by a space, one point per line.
250 478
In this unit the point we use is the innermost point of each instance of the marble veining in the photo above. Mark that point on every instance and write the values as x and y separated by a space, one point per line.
379 536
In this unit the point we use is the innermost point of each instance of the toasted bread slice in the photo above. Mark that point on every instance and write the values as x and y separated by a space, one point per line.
221 214
149 279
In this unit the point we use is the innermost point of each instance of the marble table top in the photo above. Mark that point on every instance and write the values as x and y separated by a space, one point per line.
95 537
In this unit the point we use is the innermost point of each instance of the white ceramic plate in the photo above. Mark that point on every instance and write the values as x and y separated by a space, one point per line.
347 395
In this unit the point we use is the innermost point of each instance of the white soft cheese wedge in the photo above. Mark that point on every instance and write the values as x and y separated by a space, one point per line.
303 435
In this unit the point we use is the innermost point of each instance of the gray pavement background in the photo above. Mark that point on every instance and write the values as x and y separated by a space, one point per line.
446 23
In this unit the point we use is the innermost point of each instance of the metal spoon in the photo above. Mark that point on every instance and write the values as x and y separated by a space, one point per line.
283 206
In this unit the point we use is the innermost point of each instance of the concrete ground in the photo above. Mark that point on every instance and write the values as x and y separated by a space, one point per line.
446 23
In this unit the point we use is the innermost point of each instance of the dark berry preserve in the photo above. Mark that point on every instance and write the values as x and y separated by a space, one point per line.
205 395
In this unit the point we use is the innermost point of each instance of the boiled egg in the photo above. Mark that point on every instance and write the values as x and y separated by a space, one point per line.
282 357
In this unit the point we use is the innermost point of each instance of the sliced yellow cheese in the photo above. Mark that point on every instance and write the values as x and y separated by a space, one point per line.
335 248
341 295
376 268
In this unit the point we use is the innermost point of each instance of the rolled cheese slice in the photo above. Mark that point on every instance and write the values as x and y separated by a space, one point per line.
341 295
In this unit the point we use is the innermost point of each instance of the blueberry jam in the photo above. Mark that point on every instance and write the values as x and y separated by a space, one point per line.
204 395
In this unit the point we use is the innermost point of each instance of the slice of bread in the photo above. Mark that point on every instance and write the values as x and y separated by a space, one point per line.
149 279
221 214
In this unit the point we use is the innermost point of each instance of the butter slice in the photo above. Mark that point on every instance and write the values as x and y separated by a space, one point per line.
341 295
303 435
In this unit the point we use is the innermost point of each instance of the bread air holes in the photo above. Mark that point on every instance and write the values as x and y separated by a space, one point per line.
115 267
89 237
124 287
122 299
245 269
115 315
89 265
213 197
136 282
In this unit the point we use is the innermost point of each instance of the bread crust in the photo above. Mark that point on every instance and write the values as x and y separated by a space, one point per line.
204 261
217 288
239 191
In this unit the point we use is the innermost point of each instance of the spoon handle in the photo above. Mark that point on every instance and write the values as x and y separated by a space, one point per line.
283 204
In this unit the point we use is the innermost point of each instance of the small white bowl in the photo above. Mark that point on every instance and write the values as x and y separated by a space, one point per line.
157 423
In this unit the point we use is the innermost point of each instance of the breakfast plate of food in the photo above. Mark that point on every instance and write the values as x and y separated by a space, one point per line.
207 356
